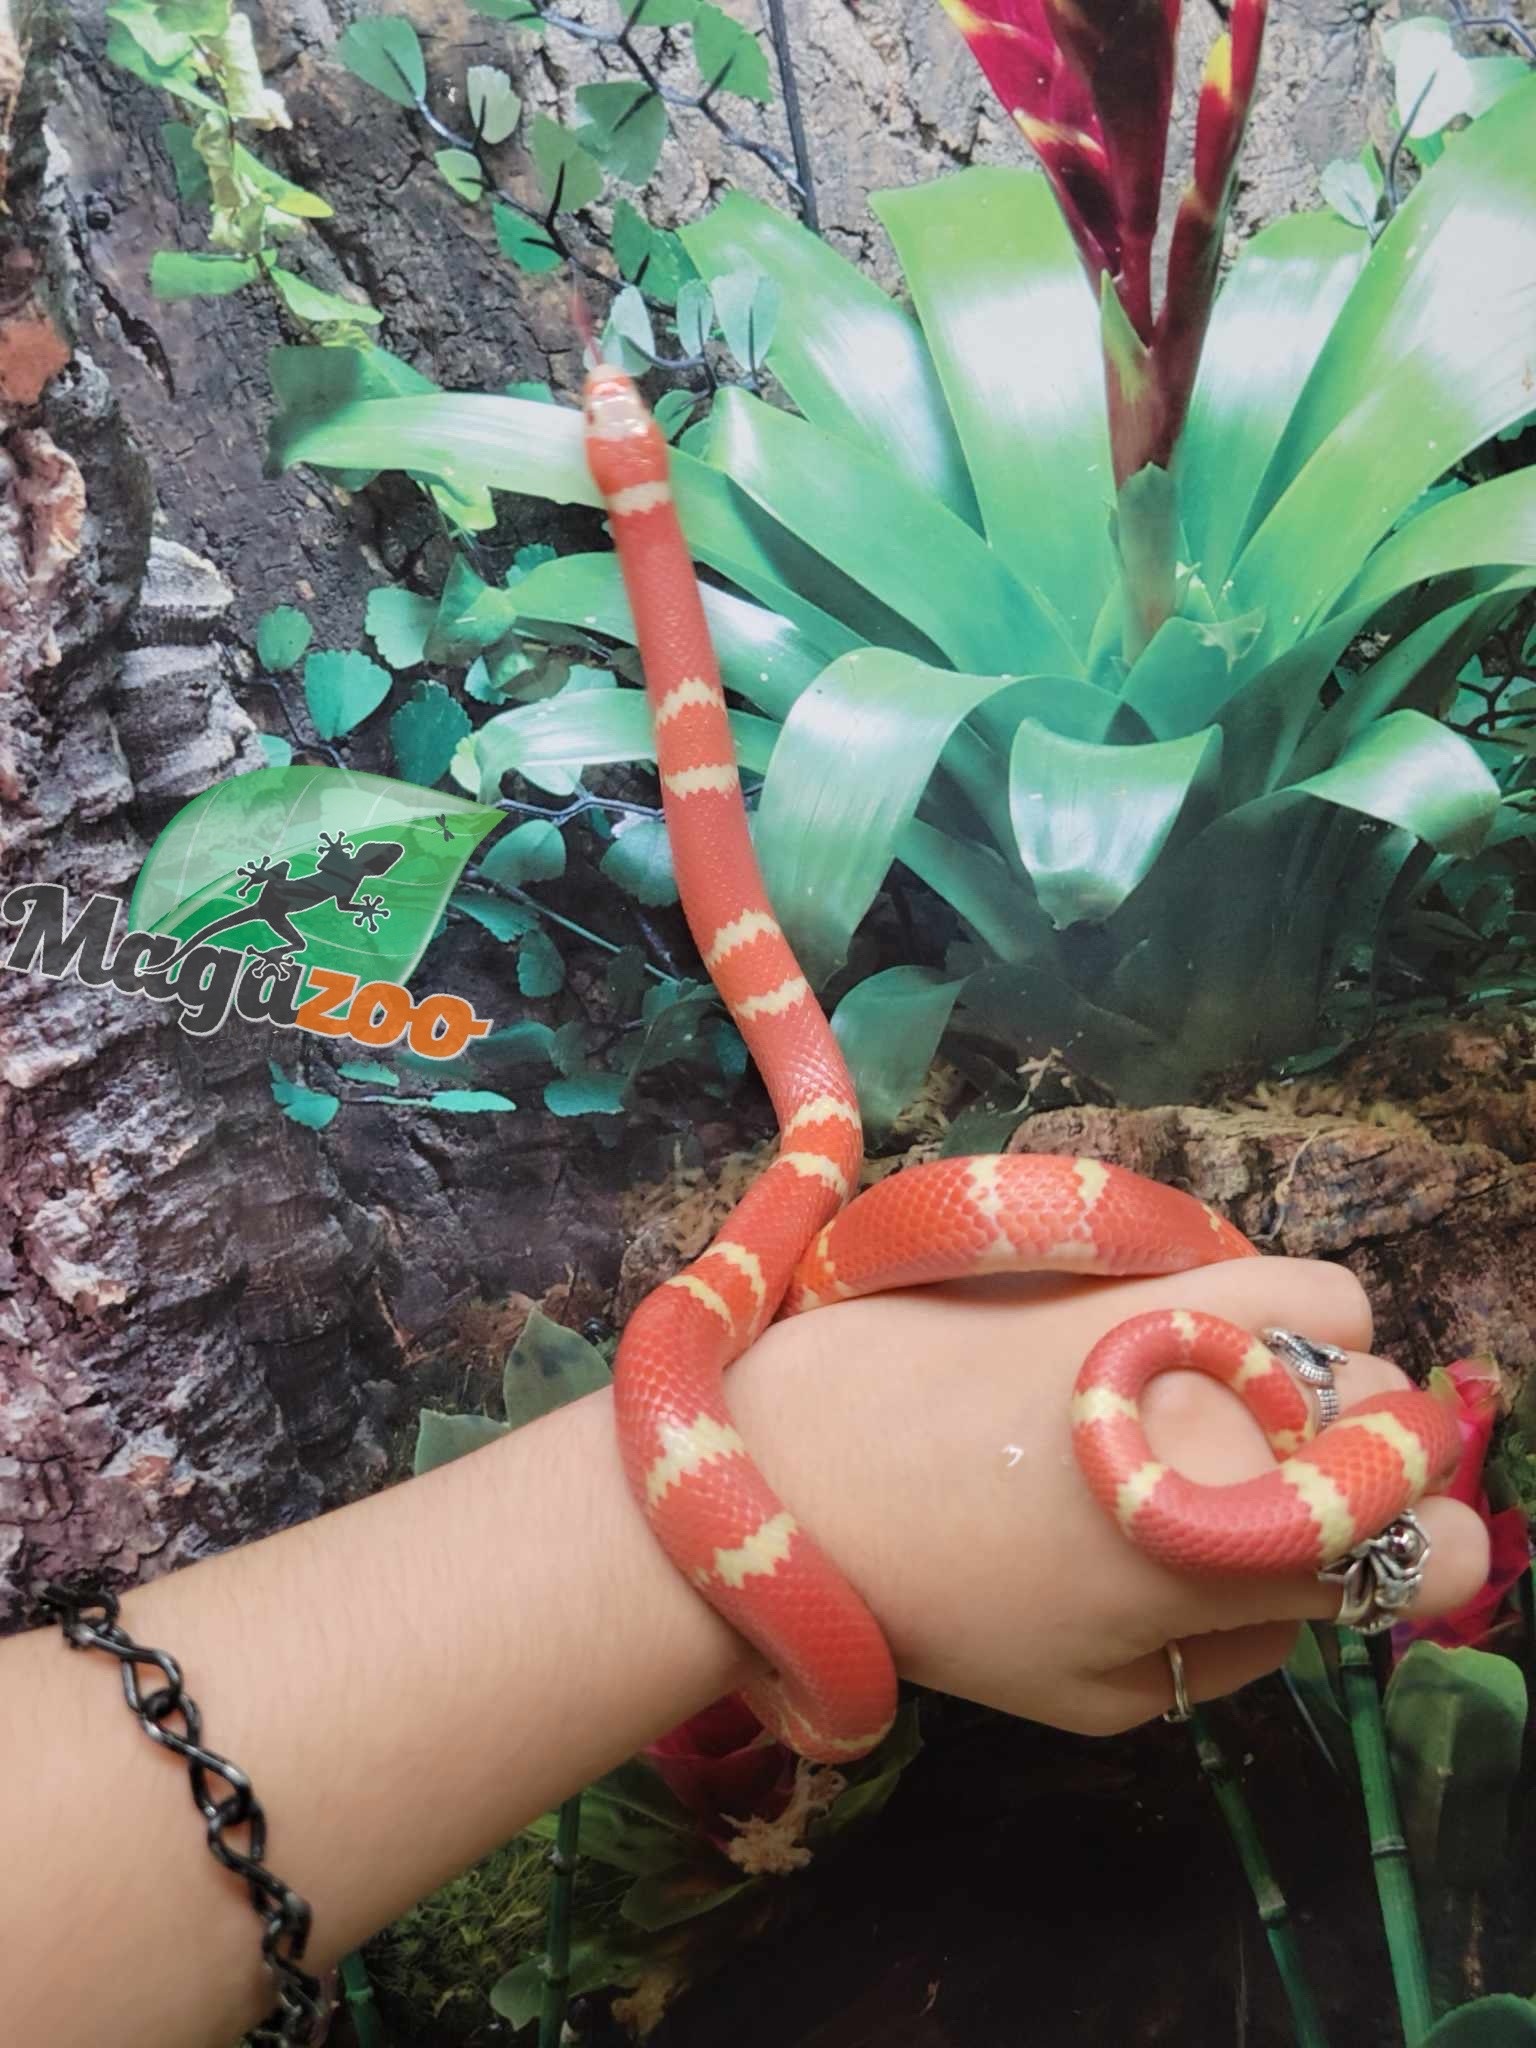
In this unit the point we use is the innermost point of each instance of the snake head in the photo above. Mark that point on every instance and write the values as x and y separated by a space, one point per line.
625 446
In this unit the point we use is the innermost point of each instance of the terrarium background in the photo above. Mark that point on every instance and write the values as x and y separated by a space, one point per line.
203 1288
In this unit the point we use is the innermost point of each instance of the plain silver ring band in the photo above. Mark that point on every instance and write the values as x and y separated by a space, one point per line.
1182 1708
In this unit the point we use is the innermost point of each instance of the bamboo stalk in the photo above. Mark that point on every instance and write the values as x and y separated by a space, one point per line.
1273 1907
1389 1850
557 1949
361 2008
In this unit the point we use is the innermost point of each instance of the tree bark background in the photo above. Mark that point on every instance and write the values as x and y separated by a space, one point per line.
212 1320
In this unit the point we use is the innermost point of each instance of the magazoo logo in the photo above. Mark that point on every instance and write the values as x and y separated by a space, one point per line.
302 898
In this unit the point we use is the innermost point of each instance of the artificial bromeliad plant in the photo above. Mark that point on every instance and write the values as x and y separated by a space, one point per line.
1142 666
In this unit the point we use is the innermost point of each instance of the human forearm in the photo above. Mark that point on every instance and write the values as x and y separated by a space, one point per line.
407 1682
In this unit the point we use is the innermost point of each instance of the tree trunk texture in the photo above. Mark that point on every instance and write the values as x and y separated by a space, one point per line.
213 1321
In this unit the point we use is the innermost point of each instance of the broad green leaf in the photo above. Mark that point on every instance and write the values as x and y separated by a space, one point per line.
385 52
1186 673
571 178
995 901
1456 1724
826 836
461 171
553 740
522 241
661 13
540 969
1272 316
422 840
1502 2021
1090 821
424 733
193 17
889 1026
1428 358
282 635
729 57
176 274
1013 327
311 1107
521 13
761 655
640 861
909 553
854 362
398 622
596 1961
317 308
342 690
747 305
666 1901
493 104
534 852
586 1095
624 128
1408 770
548 1367
140 44
471 442
1491 525
466 1101
442 1438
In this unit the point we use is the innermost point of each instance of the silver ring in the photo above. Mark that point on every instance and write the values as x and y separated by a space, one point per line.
1380 1577
1182 1709
1313 1363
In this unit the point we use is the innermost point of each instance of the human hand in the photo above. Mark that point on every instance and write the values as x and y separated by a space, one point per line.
924 1438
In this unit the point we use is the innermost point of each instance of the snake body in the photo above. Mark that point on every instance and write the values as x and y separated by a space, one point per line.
791 1244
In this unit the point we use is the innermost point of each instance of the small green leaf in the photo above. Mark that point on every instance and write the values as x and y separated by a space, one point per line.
280 193
282 635
374 1072
672 410
540 970
472 615
645 255
1502 2021
521 13
662 13
625 126
385 52
442 1438
493 105
276 751
640 861
192 185
548 1367
398 623
523 242
461 171
317 308
425 731
729 58
625 980
571 177
341 690
467 1101
478 684
586 1095
1350 190
695 317
177 274
534 852
528 558
312 1107
628 333
503 920
748 306
532 388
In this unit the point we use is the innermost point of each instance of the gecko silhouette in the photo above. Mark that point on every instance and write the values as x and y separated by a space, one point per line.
282 897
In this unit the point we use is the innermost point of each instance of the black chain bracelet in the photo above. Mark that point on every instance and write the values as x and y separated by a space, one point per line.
88 1616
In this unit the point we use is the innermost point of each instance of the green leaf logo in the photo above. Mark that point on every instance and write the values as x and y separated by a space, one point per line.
318 853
